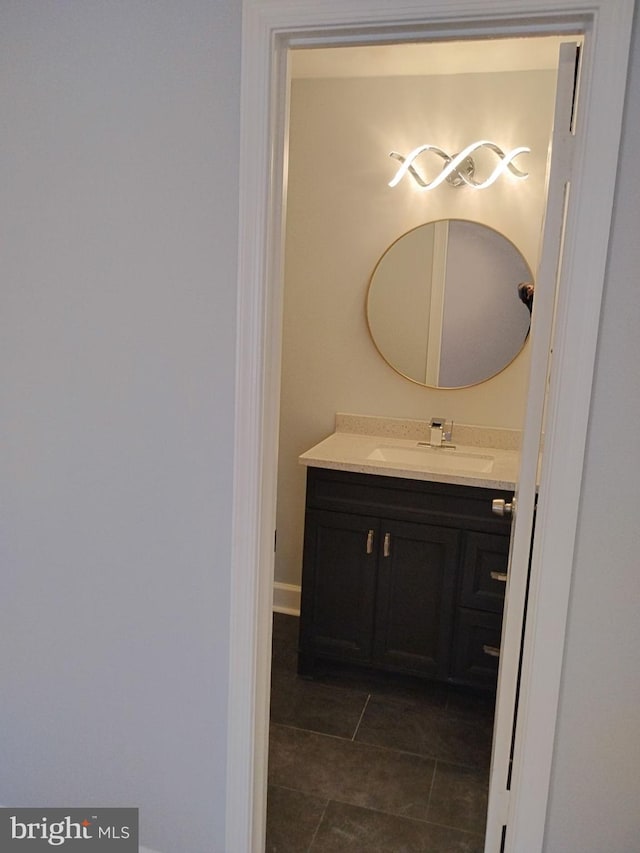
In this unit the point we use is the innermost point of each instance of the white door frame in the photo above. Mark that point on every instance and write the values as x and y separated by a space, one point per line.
269 26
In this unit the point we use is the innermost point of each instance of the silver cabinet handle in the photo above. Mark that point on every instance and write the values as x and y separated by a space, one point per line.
500 507
370 542
492 651
499 576
386 547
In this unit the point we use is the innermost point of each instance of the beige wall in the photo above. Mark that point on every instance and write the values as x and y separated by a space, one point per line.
342 216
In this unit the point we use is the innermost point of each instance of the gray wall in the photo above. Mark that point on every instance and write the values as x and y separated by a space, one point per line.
596 773
118 223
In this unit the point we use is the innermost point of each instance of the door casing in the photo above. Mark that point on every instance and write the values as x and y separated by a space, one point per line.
270 27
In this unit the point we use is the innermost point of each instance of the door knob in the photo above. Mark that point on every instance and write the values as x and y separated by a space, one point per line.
500 507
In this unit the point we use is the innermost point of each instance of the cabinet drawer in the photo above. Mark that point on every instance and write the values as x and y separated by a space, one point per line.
484 570
477 648
405 500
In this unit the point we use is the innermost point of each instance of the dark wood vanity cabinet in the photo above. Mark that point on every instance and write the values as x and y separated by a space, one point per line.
402 575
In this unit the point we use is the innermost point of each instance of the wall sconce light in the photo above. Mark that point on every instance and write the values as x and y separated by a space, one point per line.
458 170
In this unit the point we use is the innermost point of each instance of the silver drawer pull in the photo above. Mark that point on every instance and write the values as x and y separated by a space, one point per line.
370 542
386 547
492 651
499 576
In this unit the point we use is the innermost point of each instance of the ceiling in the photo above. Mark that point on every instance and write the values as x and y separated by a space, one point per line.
428 58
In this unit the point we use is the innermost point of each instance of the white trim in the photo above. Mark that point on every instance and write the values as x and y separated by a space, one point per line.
267 26
436 303
286 598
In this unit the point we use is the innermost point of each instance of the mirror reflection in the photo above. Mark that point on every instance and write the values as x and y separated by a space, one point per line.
449 303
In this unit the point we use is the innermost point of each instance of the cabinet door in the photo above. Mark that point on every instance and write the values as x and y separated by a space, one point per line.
338 587
415 598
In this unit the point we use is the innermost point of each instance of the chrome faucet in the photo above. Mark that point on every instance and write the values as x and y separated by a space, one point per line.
439 436
436 432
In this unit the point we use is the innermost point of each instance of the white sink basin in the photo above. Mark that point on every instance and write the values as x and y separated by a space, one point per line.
433 458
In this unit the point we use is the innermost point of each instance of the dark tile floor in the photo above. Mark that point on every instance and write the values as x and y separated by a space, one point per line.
360 762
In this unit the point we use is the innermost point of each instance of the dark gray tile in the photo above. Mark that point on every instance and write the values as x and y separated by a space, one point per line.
396 724
286 628
313 706
459 797
388 801
350 829
356 773
467 743
470 706
292 820
416 691
284 647
426 731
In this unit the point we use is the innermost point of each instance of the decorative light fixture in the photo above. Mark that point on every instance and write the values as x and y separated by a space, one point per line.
458 170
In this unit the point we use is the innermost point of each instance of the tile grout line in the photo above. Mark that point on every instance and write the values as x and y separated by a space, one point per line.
317 829
433 780
361 716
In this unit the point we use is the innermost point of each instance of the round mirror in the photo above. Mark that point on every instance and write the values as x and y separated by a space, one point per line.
449 303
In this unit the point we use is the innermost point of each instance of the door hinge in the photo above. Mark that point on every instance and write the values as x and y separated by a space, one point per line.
502 806
497 819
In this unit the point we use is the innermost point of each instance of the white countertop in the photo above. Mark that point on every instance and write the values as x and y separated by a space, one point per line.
343 451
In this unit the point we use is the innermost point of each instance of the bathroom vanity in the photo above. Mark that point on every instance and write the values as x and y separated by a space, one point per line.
405 567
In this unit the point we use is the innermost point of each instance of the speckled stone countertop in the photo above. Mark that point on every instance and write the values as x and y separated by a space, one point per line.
485 457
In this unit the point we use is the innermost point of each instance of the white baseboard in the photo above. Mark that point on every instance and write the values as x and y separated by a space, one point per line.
286 598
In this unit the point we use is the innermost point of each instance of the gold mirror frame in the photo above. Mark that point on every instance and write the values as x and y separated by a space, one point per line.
494 252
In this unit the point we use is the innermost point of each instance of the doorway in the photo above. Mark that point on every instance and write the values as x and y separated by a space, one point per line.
349 106
259 319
